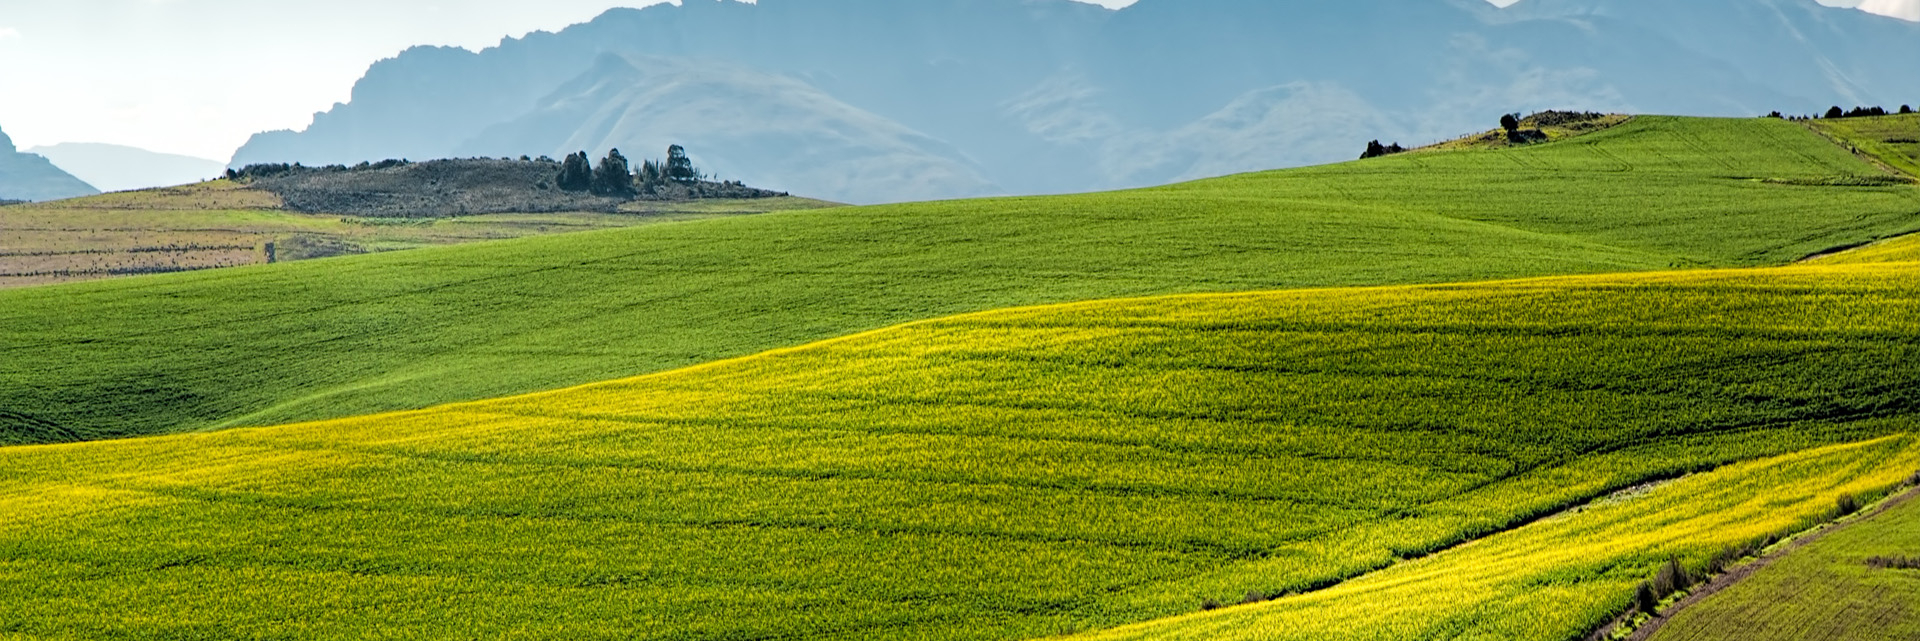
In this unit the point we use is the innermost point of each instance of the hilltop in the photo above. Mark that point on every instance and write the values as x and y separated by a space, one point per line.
462 187
405 330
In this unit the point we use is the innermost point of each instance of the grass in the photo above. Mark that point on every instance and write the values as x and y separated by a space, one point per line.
1023 473
349 336
1562 577
218 224
1902 249
1891 140
1828 589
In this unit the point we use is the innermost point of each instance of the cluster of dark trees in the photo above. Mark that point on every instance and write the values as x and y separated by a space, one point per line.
269 170
615 175
1376 150
1836 113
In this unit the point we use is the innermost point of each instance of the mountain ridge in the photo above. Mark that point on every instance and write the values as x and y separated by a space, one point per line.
1051 96
25 176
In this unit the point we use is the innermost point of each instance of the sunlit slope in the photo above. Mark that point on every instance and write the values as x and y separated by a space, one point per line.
399 331
1902 249
1001 475
1831 586
1565 577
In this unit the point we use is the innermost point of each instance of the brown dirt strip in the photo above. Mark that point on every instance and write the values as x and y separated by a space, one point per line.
1738 574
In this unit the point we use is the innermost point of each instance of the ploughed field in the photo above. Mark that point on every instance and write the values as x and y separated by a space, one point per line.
221 224
405 330
1029 472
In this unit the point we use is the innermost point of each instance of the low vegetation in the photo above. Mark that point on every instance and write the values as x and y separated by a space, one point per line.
467 187
1028 472
412 329
1541 127
1856 583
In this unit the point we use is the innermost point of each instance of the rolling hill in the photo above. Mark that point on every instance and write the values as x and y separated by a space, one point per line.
342 337
1055 96
1029 472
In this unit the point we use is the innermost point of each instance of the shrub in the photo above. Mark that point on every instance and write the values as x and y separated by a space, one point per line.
1836 113
1671 578
1209 605
1846 505
1906 109
1645 599
1510 122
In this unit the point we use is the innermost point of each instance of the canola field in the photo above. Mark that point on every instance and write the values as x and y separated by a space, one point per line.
1827 590
1026 473
356 335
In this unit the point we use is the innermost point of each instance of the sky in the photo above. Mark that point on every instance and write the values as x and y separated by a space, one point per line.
198 77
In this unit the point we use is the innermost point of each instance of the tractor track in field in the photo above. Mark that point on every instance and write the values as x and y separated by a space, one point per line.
1736 575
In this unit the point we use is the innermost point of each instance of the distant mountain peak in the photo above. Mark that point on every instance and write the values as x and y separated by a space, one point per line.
31 177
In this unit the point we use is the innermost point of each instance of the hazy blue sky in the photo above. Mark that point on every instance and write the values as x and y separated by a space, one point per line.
197 77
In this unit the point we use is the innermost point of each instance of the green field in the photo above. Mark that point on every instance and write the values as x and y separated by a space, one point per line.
1893 140
1563 577
220 224
341 337
1021 473
1826 590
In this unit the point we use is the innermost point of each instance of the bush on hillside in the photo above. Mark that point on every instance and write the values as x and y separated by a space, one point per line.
1645 599
1847 505
1906 109
1510 122
1836 113
1376 150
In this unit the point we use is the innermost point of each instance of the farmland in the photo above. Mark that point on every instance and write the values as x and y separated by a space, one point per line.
1829 589
1891 140
1027 472
355 335
218 224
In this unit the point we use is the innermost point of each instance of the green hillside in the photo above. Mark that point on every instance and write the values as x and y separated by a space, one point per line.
340 337
1023 473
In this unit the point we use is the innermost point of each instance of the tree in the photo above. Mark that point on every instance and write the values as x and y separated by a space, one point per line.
1374 150
1836 113
1906 109
613 177
1510 122
575 174
680 168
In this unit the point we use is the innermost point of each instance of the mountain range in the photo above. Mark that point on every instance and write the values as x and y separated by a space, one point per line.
120 168
25 176
880 100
